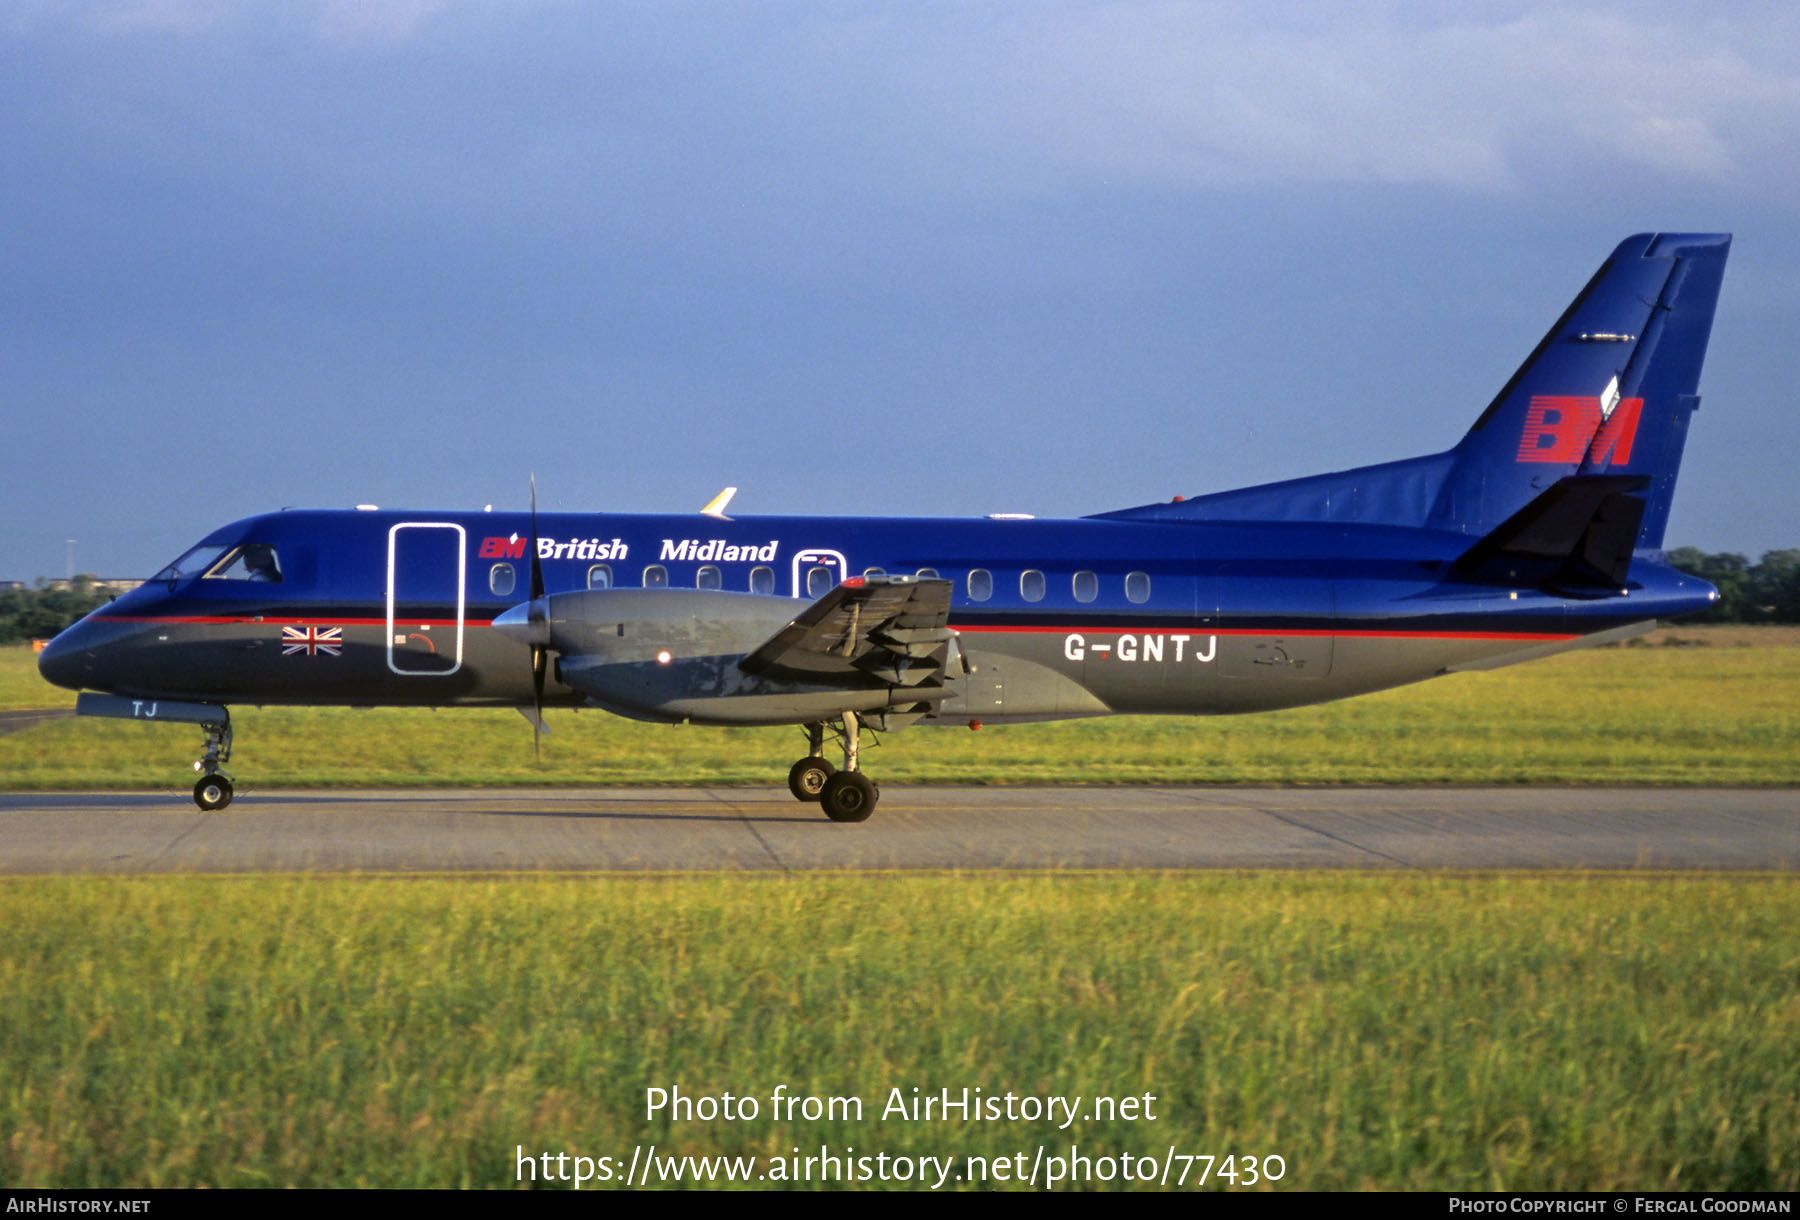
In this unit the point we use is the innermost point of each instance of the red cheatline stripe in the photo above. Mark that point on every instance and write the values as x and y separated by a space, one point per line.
1339 633
270 620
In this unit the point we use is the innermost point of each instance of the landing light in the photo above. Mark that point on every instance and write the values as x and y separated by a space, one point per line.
664 657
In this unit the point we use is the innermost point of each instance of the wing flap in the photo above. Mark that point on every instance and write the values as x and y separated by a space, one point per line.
892 629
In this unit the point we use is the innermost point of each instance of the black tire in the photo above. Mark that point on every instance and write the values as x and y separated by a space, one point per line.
212 792
806 778
848 796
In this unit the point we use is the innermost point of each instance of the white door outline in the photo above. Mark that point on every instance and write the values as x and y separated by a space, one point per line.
822 558
462 571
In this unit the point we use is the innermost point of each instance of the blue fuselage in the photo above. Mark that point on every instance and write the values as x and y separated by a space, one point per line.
1062 618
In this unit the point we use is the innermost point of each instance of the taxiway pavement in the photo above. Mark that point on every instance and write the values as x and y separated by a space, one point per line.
530 829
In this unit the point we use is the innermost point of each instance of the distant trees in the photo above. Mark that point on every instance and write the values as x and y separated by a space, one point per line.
1764 592
39 613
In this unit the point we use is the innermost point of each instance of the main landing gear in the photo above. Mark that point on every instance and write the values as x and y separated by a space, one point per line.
845 795
213 790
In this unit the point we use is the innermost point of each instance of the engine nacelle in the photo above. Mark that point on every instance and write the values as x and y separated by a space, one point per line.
674 654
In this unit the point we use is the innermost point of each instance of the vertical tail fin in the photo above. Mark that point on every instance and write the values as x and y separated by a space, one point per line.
1608 391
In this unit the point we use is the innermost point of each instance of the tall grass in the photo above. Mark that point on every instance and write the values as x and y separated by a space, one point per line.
1391 1031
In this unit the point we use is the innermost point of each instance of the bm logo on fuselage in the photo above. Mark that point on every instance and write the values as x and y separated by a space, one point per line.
550 548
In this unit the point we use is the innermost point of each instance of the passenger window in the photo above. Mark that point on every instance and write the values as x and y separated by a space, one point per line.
820 581
1031 585
501 579
1087 586
252 561
656 577
1137 587
928 574
600 576
709 578
981 585
762 580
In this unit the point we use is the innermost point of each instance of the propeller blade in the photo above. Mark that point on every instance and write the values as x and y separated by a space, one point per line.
537 565
538 656
540 623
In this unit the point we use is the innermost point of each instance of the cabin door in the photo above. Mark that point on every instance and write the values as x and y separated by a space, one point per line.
427 564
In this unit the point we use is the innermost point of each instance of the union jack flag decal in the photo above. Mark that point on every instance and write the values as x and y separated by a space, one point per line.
311 640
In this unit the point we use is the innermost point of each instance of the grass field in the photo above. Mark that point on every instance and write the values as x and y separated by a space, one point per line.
1392 1031
1699 706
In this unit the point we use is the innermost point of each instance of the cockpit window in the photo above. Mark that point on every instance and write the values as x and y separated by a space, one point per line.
192 564
251 561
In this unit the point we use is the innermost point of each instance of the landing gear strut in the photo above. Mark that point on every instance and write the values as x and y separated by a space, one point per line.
846 795
214 789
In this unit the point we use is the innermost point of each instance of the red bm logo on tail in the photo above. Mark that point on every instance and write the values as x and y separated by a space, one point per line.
1566 430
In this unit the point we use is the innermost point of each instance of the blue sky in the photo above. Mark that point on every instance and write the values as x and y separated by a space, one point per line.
853 258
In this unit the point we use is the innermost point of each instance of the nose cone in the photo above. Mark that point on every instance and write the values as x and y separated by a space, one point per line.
94 654
68 660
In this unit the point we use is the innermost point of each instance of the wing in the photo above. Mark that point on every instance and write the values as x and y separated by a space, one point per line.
894 629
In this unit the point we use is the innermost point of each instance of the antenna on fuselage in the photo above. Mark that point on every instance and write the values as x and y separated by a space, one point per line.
715 507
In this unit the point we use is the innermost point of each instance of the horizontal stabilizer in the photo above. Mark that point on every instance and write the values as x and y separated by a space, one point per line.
1578 535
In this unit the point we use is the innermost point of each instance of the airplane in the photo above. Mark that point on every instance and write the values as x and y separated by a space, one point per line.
1539 532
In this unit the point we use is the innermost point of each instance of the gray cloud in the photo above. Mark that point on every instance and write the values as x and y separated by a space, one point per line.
1222 95
977 100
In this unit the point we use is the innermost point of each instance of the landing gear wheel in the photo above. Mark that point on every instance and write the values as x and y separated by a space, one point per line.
848 796
212 792
806 778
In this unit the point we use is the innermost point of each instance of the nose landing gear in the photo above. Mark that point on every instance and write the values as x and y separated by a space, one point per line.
213 790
